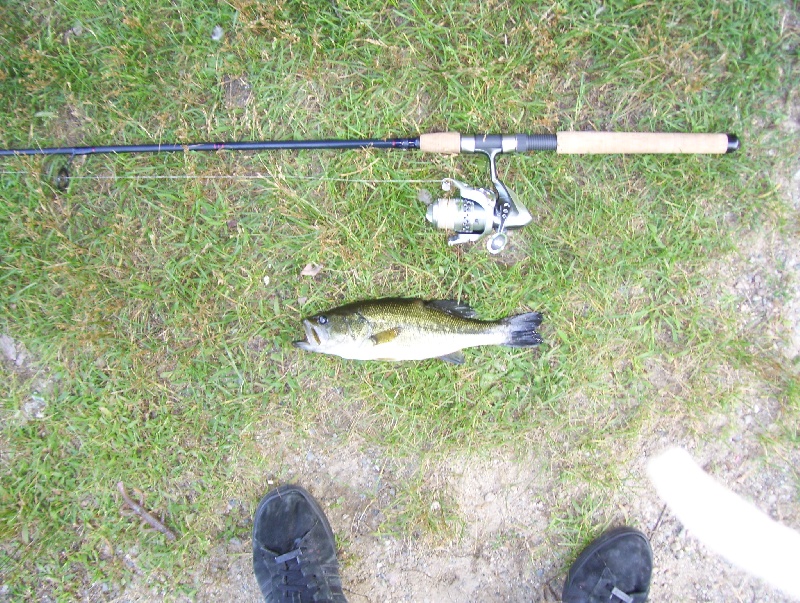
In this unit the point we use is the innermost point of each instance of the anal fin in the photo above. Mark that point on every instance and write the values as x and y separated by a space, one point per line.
454 358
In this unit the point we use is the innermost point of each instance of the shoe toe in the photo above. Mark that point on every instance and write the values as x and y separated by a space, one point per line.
283 517
615 567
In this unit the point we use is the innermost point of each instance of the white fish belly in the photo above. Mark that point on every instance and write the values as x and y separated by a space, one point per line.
401 348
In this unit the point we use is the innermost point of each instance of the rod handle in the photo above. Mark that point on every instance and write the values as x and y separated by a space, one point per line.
581 143
445 143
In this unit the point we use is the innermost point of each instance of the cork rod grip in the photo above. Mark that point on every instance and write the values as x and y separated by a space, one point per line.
445 143
640 142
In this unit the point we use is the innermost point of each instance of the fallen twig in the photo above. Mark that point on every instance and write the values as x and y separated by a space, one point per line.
140 511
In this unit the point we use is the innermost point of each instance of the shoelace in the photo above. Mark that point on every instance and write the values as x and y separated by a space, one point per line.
292 575
606 585
624 597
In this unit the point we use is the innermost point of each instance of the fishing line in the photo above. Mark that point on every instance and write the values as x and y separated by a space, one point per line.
245 177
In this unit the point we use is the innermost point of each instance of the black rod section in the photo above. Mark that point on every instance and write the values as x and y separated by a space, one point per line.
264 145
536 142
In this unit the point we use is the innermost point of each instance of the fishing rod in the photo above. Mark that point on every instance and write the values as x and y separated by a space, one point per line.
475 212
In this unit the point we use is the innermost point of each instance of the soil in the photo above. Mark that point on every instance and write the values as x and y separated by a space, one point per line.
504 506
497 507
495 510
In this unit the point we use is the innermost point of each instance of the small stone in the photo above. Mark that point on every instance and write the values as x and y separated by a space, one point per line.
34 409
217 33
435 506
311 270
266 281
8 348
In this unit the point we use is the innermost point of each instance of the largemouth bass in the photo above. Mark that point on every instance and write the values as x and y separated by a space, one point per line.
412 329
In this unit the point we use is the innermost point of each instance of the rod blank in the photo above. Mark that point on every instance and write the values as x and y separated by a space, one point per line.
256 145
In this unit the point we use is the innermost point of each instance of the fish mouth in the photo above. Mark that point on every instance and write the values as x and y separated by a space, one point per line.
315 336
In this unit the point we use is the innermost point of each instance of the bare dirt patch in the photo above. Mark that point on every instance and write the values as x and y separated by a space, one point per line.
238 92
17 363
496 547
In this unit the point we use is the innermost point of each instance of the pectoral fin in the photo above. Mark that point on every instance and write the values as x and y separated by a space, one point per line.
385 336
454 358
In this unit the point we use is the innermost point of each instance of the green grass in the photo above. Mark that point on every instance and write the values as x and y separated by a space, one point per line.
159 349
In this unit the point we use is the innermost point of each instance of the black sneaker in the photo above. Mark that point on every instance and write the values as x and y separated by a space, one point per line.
614 568
294 553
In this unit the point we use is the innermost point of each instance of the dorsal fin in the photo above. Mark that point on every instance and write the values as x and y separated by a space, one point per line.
453 307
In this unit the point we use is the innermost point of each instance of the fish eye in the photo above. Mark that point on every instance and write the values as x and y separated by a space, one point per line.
323 320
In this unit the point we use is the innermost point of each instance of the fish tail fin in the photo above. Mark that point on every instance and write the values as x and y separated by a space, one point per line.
522 331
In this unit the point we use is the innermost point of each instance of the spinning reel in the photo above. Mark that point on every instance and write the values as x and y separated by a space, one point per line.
476 211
